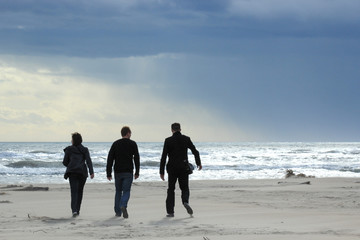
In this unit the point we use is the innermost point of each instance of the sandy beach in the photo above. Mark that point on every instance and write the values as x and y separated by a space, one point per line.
295 208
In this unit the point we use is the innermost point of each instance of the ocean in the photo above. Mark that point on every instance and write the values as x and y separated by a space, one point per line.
41 163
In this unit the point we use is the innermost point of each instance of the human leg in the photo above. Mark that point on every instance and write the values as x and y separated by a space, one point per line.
185 192
118 193
74 189
82 181
184 186
170 199
127 179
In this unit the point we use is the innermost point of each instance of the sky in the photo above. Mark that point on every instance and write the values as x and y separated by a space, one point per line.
227 70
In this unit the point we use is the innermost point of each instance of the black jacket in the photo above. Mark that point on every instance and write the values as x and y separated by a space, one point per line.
176 147
76 158
125 153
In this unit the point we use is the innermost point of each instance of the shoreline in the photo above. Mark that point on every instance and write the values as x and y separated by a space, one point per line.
324 208
42 163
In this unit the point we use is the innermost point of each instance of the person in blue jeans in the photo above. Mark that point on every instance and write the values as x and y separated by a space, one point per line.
123 155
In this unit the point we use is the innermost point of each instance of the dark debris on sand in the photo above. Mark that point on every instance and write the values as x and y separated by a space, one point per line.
28 188
290 174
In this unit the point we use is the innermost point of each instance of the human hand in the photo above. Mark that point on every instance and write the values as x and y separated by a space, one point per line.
162 177
92 176
136 176
199 167
109 178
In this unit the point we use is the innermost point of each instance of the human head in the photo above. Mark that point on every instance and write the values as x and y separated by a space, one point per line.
125 131
76 138
175 127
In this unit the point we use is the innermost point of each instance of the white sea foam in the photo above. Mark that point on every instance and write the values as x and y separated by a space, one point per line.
42 162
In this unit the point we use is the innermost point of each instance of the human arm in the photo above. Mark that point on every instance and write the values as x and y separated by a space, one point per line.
66 159
196 154
109 163
89 163
163 159
136 161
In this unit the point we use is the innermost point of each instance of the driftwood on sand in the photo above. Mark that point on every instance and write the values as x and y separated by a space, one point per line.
32 188
28 188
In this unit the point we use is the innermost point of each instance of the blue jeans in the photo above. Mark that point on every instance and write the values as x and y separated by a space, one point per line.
123 183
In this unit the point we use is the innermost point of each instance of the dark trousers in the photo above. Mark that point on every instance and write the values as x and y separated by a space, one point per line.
183 178
77 183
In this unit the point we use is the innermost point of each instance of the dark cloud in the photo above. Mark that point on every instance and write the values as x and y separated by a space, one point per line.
136 28
287 70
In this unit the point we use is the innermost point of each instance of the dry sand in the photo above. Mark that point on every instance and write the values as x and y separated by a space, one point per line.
240 209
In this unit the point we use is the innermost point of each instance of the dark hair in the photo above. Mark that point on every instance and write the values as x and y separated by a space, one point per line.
175 127
76 138
125 130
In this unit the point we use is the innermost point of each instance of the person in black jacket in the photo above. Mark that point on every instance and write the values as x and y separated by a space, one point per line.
125 154
77 160
176 147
